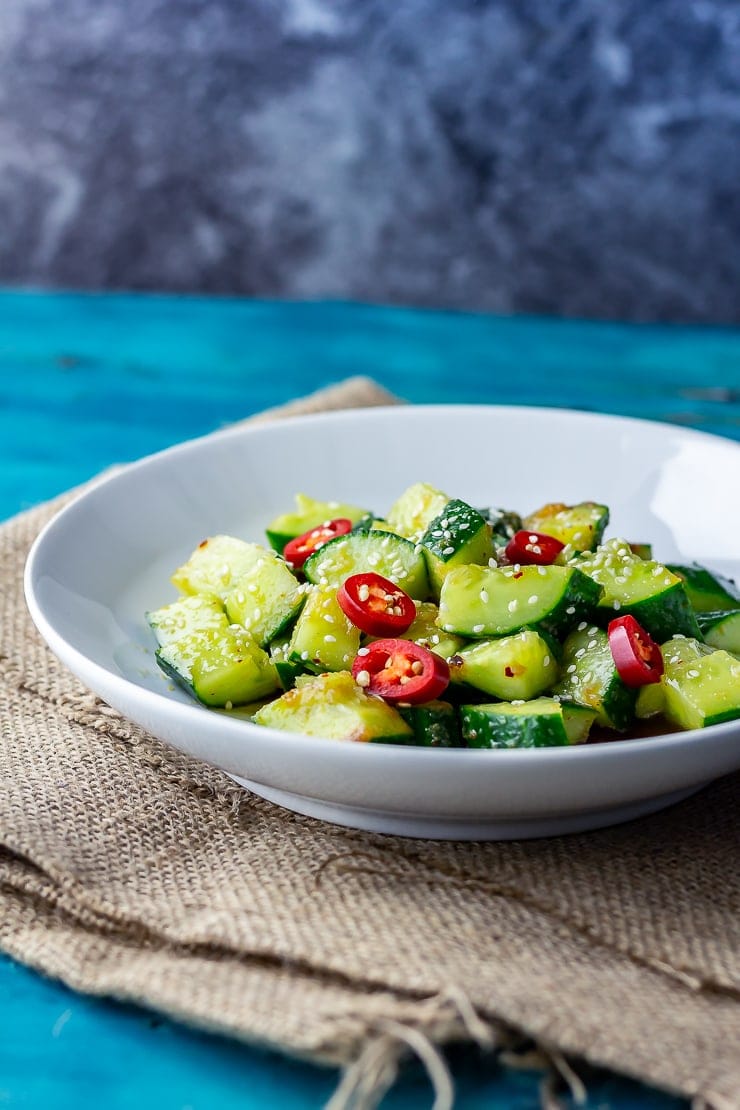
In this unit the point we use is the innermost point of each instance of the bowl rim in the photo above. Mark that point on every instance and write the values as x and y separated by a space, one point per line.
180 711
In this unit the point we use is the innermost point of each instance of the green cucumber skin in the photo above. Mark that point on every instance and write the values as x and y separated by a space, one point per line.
667 614
355 544
176 676
582 596
707 591
721 629
479 730
605 692
435 725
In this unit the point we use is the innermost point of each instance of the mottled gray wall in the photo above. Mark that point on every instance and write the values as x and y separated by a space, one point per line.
577 157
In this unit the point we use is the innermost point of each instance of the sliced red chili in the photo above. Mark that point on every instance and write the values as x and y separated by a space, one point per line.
376 605
296 551
637 657
400 670
533 547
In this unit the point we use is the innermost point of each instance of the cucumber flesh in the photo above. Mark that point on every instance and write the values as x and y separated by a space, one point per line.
515 667
486 601
195 613
334 706
580 527
392 556
414 510
459 535
704 691
216 565
706 590
309 514
642 588
541 723
220 668
721 629
589 677
266 599
323 638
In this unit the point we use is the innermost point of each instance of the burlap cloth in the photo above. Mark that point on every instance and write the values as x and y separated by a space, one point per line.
127 869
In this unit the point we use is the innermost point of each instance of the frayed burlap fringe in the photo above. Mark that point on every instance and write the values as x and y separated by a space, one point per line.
131 870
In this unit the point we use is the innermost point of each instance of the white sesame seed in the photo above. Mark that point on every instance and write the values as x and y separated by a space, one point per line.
362 678
478 627
616 604
483 595
363 651
570 610
512 605
533 538
546 661
304 655
571 669
533 599
542 571
329 639
492 563
581 626
229 705
581 652
693 673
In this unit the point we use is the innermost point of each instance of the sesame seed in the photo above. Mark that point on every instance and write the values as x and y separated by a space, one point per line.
329 639
580 653
533 538
447 534
362 678
616 604
304 655
693 673
533 599
492 563
570 610
581 626
571 669
542 571
478 627
513 605
546 661
363 593
483 595
364 651
229 705
328 618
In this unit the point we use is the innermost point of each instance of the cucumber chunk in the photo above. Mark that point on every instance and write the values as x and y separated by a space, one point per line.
459 535
645 589
580 527
425 631
706 590
216 565
287 669
703 691
485 601
434 725
511 668
195 613
266 599
415 509
323 638
589 677
721 629
676 652
504 524
219 668
392 556
309 514
542 723
334 706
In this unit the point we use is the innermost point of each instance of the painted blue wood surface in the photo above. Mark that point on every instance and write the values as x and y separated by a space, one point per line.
86 381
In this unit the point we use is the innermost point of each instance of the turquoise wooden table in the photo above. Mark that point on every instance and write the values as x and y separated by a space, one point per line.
86 381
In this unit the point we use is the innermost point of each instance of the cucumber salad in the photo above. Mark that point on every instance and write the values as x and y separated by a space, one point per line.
441 624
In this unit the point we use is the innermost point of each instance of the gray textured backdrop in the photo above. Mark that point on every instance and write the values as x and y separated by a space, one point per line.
577 157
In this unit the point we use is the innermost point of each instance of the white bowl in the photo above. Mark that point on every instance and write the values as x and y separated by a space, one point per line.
107 558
